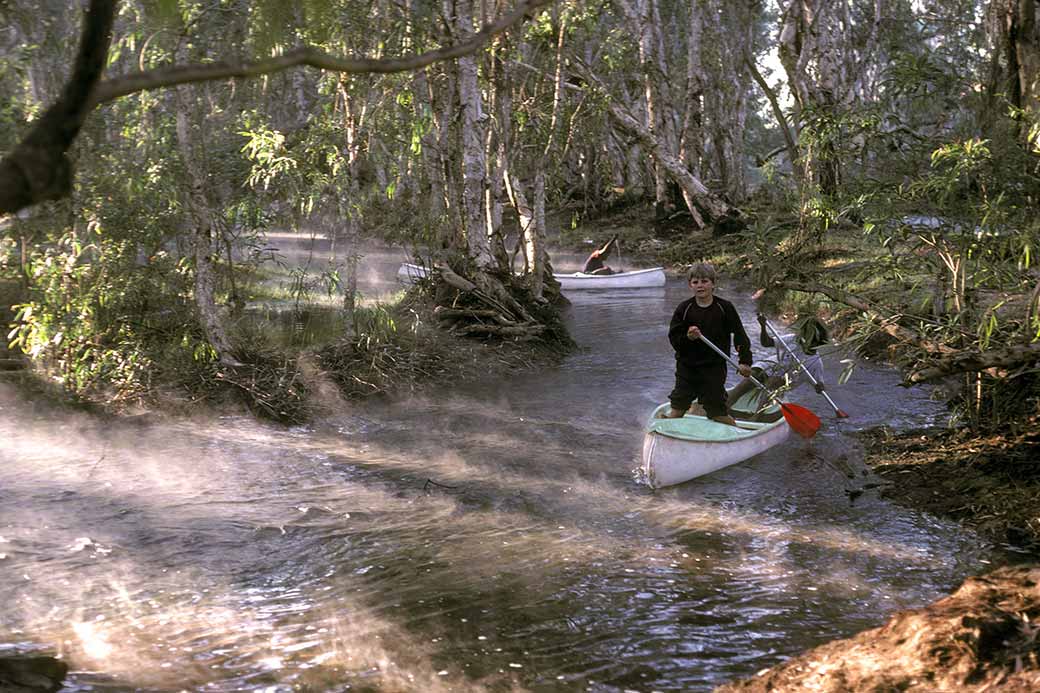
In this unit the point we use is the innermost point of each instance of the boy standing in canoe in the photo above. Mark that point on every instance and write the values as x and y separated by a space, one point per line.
700 373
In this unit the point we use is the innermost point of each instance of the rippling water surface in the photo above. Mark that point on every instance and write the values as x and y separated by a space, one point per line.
488 537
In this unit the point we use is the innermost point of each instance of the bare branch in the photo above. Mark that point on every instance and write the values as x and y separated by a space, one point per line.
972 361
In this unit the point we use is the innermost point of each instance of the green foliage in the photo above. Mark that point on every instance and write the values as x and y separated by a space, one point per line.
266 149
374 324
96 321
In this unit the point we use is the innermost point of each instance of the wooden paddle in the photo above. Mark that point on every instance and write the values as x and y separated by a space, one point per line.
801 420
837 412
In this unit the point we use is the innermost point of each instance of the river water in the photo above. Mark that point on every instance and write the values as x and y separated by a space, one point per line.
484 537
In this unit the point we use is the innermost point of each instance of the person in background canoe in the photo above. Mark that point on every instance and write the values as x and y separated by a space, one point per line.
594 264
700 373
809 335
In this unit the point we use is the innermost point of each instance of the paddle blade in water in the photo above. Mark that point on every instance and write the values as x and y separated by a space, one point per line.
801 420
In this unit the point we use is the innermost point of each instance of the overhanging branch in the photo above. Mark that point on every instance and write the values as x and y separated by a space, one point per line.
886 323
307 56
943 360
37 169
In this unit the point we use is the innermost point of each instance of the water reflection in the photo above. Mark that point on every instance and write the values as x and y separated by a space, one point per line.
489 538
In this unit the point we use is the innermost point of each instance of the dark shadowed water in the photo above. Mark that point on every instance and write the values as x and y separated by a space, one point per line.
482 538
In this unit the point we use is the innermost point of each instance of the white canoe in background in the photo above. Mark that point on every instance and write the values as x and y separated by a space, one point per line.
677 450
408 273
636 279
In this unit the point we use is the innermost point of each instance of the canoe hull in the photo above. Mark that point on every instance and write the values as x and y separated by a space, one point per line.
670 460
638 279
408 273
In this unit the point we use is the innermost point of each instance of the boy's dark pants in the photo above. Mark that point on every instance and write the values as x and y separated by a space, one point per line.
705 383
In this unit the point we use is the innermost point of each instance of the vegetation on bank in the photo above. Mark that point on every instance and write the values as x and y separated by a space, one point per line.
891 192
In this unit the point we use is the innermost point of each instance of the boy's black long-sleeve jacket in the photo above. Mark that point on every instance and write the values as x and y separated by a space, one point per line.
717 323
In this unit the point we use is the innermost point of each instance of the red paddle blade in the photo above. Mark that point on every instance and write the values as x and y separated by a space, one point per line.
801 420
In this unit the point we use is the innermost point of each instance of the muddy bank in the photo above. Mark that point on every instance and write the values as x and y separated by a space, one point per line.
990 483
982 637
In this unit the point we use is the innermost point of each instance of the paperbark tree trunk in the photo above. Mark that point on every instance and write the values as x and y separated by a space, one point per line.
497 153
826 70
803 21
474 163
728 28
643 17
204 232
349 205
691 148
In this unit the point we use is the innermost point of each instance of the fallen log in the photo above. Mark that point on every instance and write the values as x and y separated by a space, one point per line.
972 361
523 331
446 313
455 280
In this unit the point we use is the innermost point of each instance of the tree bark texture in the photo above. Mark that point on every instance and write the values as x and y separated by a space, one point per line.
643 19
691 148
474 162
1018 40
727 31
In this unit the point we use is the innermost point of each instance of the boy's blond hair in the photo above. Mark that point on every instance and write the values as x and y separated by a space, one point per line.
701 270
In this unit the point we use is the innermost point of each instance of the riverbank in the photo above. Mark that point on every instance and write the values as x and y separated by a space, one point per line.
990 483
983 637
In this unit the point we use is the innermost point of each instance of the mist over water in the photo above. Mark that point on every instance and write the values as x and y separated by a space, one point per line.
486 537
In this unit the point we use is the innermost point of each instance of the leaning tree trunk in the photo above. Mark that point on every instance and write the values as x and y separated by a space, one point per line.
205 228
695 193
37 169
